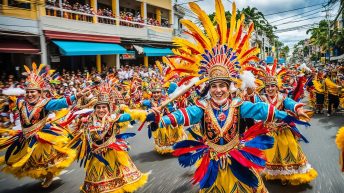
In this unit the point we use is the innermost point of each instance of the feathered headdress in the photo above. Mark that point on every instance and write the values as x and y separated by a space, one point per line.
104 92
36 77
268 75
216 52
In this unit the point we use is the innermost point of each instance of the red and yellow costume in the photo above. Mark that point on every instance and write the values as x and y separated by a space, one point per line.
104 152
285 160
37 150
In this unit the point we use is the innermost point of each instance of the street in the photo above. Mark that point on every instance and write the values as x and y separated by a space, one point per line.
168 177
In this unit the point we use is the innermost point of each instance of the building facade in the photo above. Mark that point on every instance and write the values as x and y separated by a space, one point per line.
86 33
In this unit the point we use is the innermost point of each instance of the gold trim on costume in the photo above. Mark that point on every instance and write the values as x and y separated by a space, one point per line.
30 131
224 148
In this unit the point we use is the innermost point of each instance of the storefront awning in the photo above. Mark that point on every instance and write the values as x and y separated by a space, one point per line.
76 48
149 51
17 46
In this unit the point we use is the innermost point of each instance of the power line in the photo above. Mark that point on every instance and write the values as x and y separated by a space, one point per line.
295 27
297 15
297 21
188 2
293 9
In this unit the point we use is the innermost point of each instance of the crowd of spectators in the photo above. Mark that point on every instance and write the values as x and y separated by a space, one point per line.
73 81
105 12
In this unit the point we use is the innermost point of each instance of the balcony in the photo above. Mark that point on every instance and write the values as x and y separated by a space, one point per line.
84 19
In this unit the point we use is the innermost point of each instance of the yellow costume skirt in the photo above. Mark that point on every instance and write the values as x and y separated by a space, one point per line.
226 182
119 177
39 160
286 160
165 138
340 145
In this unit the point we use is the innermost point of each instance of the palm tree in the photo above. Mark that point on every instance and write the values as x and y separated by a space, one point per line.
319 35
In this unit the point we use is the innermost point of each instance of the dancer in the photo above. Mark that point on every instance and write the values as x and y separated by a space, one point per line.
164 138
102 148
286 160
227 162
36 151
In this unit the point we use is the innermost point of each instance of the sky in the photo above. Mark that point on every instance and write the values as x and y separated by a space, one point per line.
310 14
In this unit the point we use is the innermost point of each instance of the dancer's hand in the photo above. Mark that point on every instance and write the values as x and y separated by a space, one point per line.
302 115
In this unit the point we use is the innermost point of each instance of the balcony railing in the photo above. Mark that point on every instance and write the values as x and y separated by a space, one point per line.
93 18
68 14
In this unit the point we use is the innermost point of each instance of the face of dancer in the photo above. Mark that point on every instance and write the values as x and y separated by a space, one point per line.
271 90
219 92
156 95
32 96
102 110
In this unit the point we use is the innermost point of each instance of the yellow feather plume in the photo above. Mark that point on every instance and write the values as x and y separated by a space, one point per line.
158 64
34 67
184 43
231 40
206 23
27 69
221 20
196 30
40 68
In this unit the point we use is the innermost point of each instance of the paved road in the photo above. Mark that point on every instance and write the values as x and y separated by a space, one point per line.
168 177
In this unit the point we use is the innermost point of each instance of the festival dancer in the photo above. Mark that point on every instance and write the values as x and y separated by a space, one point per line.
102 148
227 162
332 88
164 138
286 160
319 90
36 151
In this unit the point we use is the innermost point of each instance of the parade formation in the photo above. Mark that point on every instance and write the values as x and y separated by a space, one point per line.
231 117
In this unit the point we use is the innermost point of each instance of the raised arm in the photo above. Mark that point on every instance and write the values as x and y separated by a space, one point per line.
260 111
292 105
57 104
184 116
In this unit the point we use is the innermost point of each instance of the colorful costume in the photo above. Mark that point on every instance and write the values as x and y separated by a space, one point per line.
286 160
103 151
226 162
340 145
36 150
333 89
319 92
164 138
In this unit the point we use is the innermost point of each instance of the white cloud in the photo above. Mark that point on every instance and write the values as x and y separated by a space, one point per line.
274 6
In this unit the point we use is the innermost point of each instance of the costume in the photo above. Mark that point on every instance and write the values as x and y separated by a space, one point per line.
103 151
164 138
286 160
37 150
319 89
226 162
333 89
340 145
